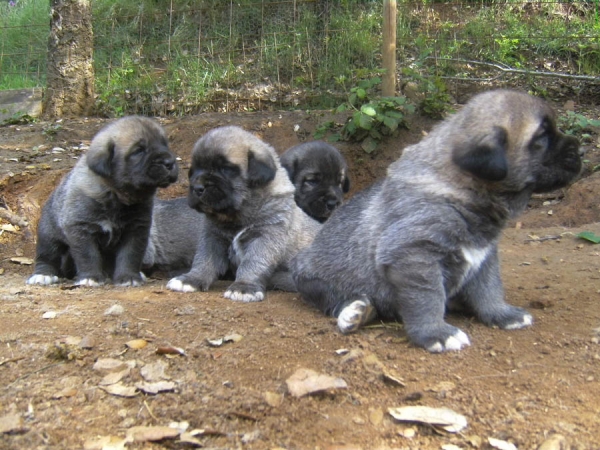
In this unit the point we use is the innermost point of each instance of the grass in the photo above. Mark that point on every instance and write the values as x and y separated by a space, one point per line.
155 57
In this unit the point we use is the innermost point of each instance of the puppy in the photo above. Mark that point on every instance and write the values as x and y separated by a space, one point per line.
173 236
95 224
320 174
251 223
428 233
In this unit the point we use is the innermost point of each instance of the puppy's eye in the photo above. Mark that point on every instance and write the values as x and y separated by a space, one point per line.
138 150
230 171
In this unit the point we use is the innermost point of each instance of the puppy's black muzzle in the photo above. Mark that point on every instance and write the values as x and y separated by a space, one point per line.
561 164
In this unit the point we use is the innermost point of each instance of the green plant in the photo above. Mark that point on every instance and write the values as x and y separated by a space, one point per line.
578 125
373 117
17 118
434 101
52 129
589 236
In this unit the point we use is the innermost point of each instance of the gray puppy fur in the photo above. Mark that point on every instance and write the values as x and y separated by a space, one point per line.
173 236
320 175
428 233
95 224
251 223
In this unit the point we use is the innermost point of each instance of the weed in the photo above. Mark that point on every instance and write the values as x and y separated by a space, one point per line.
578 125
18 118
372 117
52 129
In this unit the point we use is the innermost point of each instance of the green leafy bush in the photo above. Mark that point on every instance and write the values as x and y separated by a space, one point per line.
373 117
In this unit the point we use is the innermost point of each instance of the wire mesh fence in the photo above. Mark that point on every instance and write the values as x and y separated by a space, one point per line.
182 56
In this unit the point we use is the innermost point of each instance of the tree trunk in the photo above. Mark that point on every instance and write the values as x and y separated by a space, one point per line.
70 73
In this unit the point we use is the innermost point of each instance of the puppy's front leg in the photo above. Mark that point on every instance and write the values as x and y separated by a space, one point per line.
128 261
257 252
86 255
420 301
210 261
484 295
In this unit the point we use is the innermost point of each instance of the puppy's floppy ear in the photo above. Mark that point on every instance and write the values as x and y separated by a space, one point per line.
261 171
100 157
291 167
486 158
346 184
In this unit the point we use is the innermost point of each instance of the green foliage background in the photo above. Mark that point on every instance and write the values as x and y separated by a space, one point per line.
183 56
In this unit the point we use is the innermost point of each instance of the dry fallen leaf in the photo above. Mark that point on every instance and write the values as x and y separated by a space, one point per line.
114 377
23 260
154 371
112 365
273 399
501 445
234 337
120 390
137 344
215 342
156 387
105 443
306 381
143 434
443 417
11 423
170 351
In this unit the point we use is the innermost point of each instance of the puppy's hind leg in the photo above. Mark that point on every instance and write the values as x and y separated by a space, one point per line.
351 313
484 295
48 261
354 314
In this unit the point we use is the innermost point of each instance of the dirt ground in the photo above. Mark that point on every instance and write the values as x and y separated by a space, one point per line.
59 390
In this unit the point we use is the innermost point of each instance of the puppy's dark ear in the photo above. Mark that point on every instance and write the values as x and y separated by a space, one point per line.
486 158
260 171
100 157
346 184
291 167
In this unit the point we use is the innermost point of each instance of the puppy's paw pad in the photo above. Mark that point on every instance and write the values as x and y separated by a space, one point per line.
89 282
454 343
526 321
43 280
179 286
245 297
354 315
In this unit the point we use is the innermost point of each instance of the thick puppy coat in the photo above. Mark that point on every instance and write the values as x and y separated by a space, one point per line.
252 224
95 224
173 236
320 175
428 233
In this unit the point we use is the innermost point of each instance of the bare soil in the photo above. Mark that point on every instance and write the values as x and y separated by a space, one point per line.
520 387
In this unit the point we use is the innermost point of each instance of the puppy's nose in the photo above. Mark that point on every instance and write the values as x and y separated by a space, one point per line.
169 164
331 204
199 189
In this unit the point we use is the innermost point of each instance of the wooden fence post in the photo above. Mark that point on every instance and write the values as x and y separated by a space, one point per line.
388 86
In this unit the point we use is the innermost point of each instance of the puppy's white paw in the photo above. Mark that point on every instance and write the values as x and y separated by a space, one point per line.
452 343
43 280
89 282
245 297
526 321
177 285
354 315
